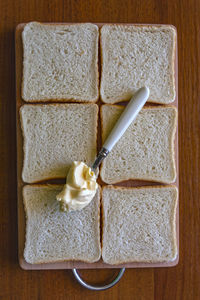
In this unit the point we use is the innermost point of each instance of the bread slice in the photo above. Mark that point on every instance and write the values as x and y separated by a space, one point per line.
52 235
139 224
54 136
138 55
60 62
146 150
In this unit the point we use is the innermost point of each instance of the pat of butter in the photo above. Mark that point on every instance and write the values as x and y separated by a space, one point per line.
80 187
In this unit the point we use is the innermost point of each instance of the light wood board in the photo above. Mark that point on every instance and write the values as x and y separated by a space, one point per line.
21 213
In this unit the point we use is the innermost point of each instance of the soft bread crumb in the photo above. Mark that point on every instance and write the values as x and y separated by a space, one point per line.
146 150
60 62
134 56
56 135
53 236
139 224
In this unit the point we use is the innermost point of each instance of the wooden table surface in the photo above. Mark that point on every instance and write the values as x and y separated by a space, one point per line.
180 282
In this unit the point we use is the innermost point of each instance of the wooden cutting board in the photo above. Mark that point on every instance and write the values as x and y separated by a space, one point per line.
21 213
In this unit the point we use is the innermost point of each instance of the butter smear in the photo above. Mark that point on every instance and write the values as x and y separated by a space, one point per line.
80 187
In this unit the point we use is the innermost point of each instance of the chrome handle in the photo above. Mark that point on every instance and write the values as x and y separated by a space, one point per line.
98 288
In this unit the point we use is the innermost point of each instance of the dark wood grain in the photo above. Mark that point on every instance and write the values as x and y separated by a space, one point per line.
180 282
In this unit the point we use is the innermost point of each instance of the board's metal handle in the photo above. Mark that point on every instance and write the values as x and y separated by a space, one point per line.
98 288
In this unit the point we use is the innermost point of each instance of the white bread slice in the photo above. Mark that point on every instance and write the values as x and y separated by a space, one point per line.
146 150
54 136
139 224
60 62
52 235
134 56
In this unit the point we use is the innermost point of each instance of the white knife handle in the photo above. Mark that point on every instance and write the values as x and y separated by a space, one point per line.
129 114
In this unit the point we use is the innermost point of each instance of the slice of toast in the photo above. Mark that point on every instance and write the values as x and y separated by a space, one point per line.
52 235
134 56
146 150
139 224
55 135
60 62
